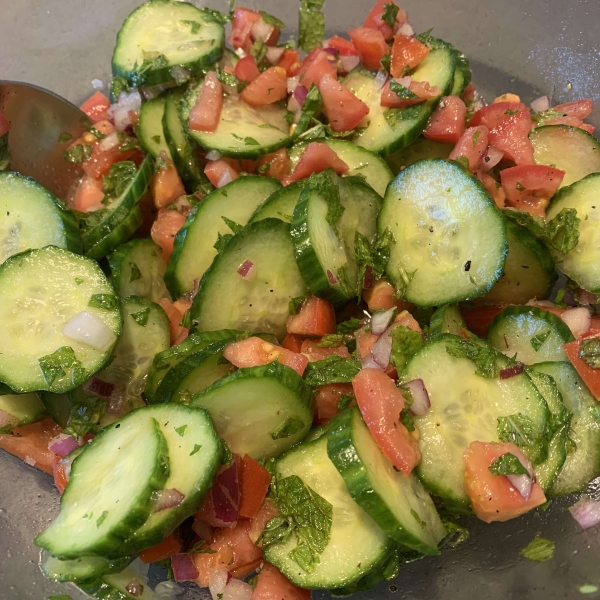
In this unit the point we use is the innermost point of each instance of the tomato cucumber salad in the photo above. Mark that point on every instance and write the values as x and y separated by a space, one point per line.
294 319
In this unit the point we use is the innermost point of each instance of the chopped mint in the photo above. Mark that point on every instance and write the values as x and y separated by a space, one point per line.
323 183
57 365
65 137
344 401
332 340
374 255
311 106
119 177
101 518
405 343
78 153
194 25
589 352
271 20
249 141
141 316
227 454
508 464
295 304
407 419
105 301
417 518
135 272
539 549
395 116
181 430
538 341
518 429
311 25
196 449
156 139
483 356
258 50
235 227
84 415
332 369
226 78
78 280
222 241
289 427
390 12
349 326
402 91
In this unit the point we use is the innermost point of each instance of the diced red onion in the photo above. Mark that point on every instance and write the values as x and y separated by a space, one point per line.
237 590
135 588
300 94
96 386
292 84
381 320
63 444
263 30
382 350
512 371
6 419
348 63
491 157
421 402
541 104
109 142
332 278
180 74
405 81
522 484
406 29
218 578
225 179
247 270
213 155
368 362
368 279
586 512
226 496
586 298
381 79
294 107
89 329
274 54
120 112
331 51
163 499
579 320
184 568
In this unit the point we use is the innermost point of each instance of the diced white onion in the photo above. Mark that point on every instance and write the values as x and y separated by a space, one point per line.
349 62
237 590
30 461
382 349
213 155
522 484
541 104
381 320
381 79
217 581
586 512
225 179
578 319
406 29
89 329
97 84
491 158
292 84
274 54
180 74
109 142
262 30
120 111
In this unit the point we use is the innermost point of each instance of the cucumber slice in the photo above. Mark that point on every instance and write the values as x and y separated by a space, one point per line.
114 587
418 150
583 458
446 319
280 204
194 457
40 292
462 73
529 334
33 218
450 236
360 161
149 129
582 263
122 231
260 411
20 409
226 301
356 545
243 131
137 269
109 491
570 149
528 271
193 250
464 408
379 136
160 35
397 503
547 472
85 569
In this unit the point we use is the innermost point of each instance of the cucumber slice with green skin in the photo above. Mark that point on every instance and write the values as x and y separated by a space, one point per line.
462 73
418 150
582 263
119 235
465 407
160 35
82 570
194 456
243 131
280 204
193 250
569 149
450 236
359 160
547 472
529 270
149 129
379 136
446 319
20 409
583 460
260 411
114 587
109 491
397 503
356 545
33 218
226 301
518 330
137 269
40 292
166 360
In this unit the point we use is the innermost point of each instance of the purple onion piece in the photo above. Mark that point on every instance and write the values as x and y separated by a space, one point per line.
184 568
523 484
300 94
381 320
512 371
421 402
63 444
586 512
381 350
163 499
368 362
332 278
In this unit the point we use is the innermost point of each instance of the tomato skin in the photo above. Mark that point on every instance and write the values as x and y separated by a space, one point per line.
315 318
241 27
4 124
292 342
269 87
246 69
316 158
290 61
343 46
374 20
572 122
322 64
165 228
96 107
580 109
370 45
526 185
447 123
472 144
380 403
166 185
220 172
206 112
273 585
326 401
60 477
590 376
313 353
89 195
254 485
493 188
421 89
343 109
175 316
279 164
169 546
492 497
407 53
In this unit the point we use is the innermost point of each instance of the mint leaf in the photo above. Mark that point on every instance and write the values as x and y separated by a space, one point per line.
323 184
218 16
400 90
227 454
226 78
332 340
344 401
395 116
196 449
332 369
538 341
539 549
77 154
390 12
518 429
119 177
181 430
508 464
455 534
417 518
271 20
235 227
84 415
289 427
589 352
295 303
58 364
90 127
405 343
135 272
141 316
152 62
311 25
407 419
482 355
222 241
258 50
349 326
194 25
65 137
374 254
104 301
312 104
101 518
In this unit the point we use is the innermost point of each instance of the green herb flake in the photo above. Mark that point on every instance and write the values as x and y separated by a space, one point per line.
101 518
222 241
235 227
344 401
395 116
135 273
61 597
539 549
141 316
90 127
218 16
482 355
119 178
520 187
455 534
407 419
405 343
386 62
194 25
587 589
510 112
390 13
417 518
118 85
196 449
78 153
181 430
227 454
463 163
84 415
65 137
311 25
153 61
332 369
226 78
476 137
518 429
58 364
374 255
156 139
349 326
538 341
402 91
258 50
508 464
79 281
310 108
295 303
332 340
589 352
271 20
104 301
289 427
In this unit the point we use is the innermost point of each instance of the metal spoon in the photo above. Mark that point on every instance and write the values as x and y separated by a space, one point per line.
38 119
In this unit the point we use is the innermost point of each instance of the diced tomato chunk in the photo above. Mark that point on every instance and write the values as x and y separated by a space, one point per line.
273 585
101 161
4 124
246 69
343 46
175 316
315 318
381 297
365 341
421 89
374 19
164 229
290 61
206 112
407 54
343 109
169 546
205 562
322 64
493 188
237 538
579 109
311 350
590 376
60 477
405 319
267 511
327 399
269 87
253 352
572 122
370 45
316 158
472 145
381 403
254 485
447 123
166 185
96 107
480 317
241 28
220 172
278 164
309 59
493 497
89 195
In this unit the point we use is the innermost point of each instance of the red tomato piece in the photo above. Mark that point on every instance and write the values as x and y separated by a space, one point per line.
493 497
343 109
493 188
273 585
267 511
421 89
447 123
241 28
322 64
479 318
89 195
292 342
60 477
101 161
311 350
290 61
169 546
269 87
316 158
370 45
374 20
4 124
166 185
96 107
206 112
174 314
205 563
315 318
326 401
572 122
343 46
529 187
165 228
472 145
381 403
246 69
220 172
590 376
105 127
407 54
406 320
579 109
381 297
237 538
308 60
365 341
254 485
278 164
